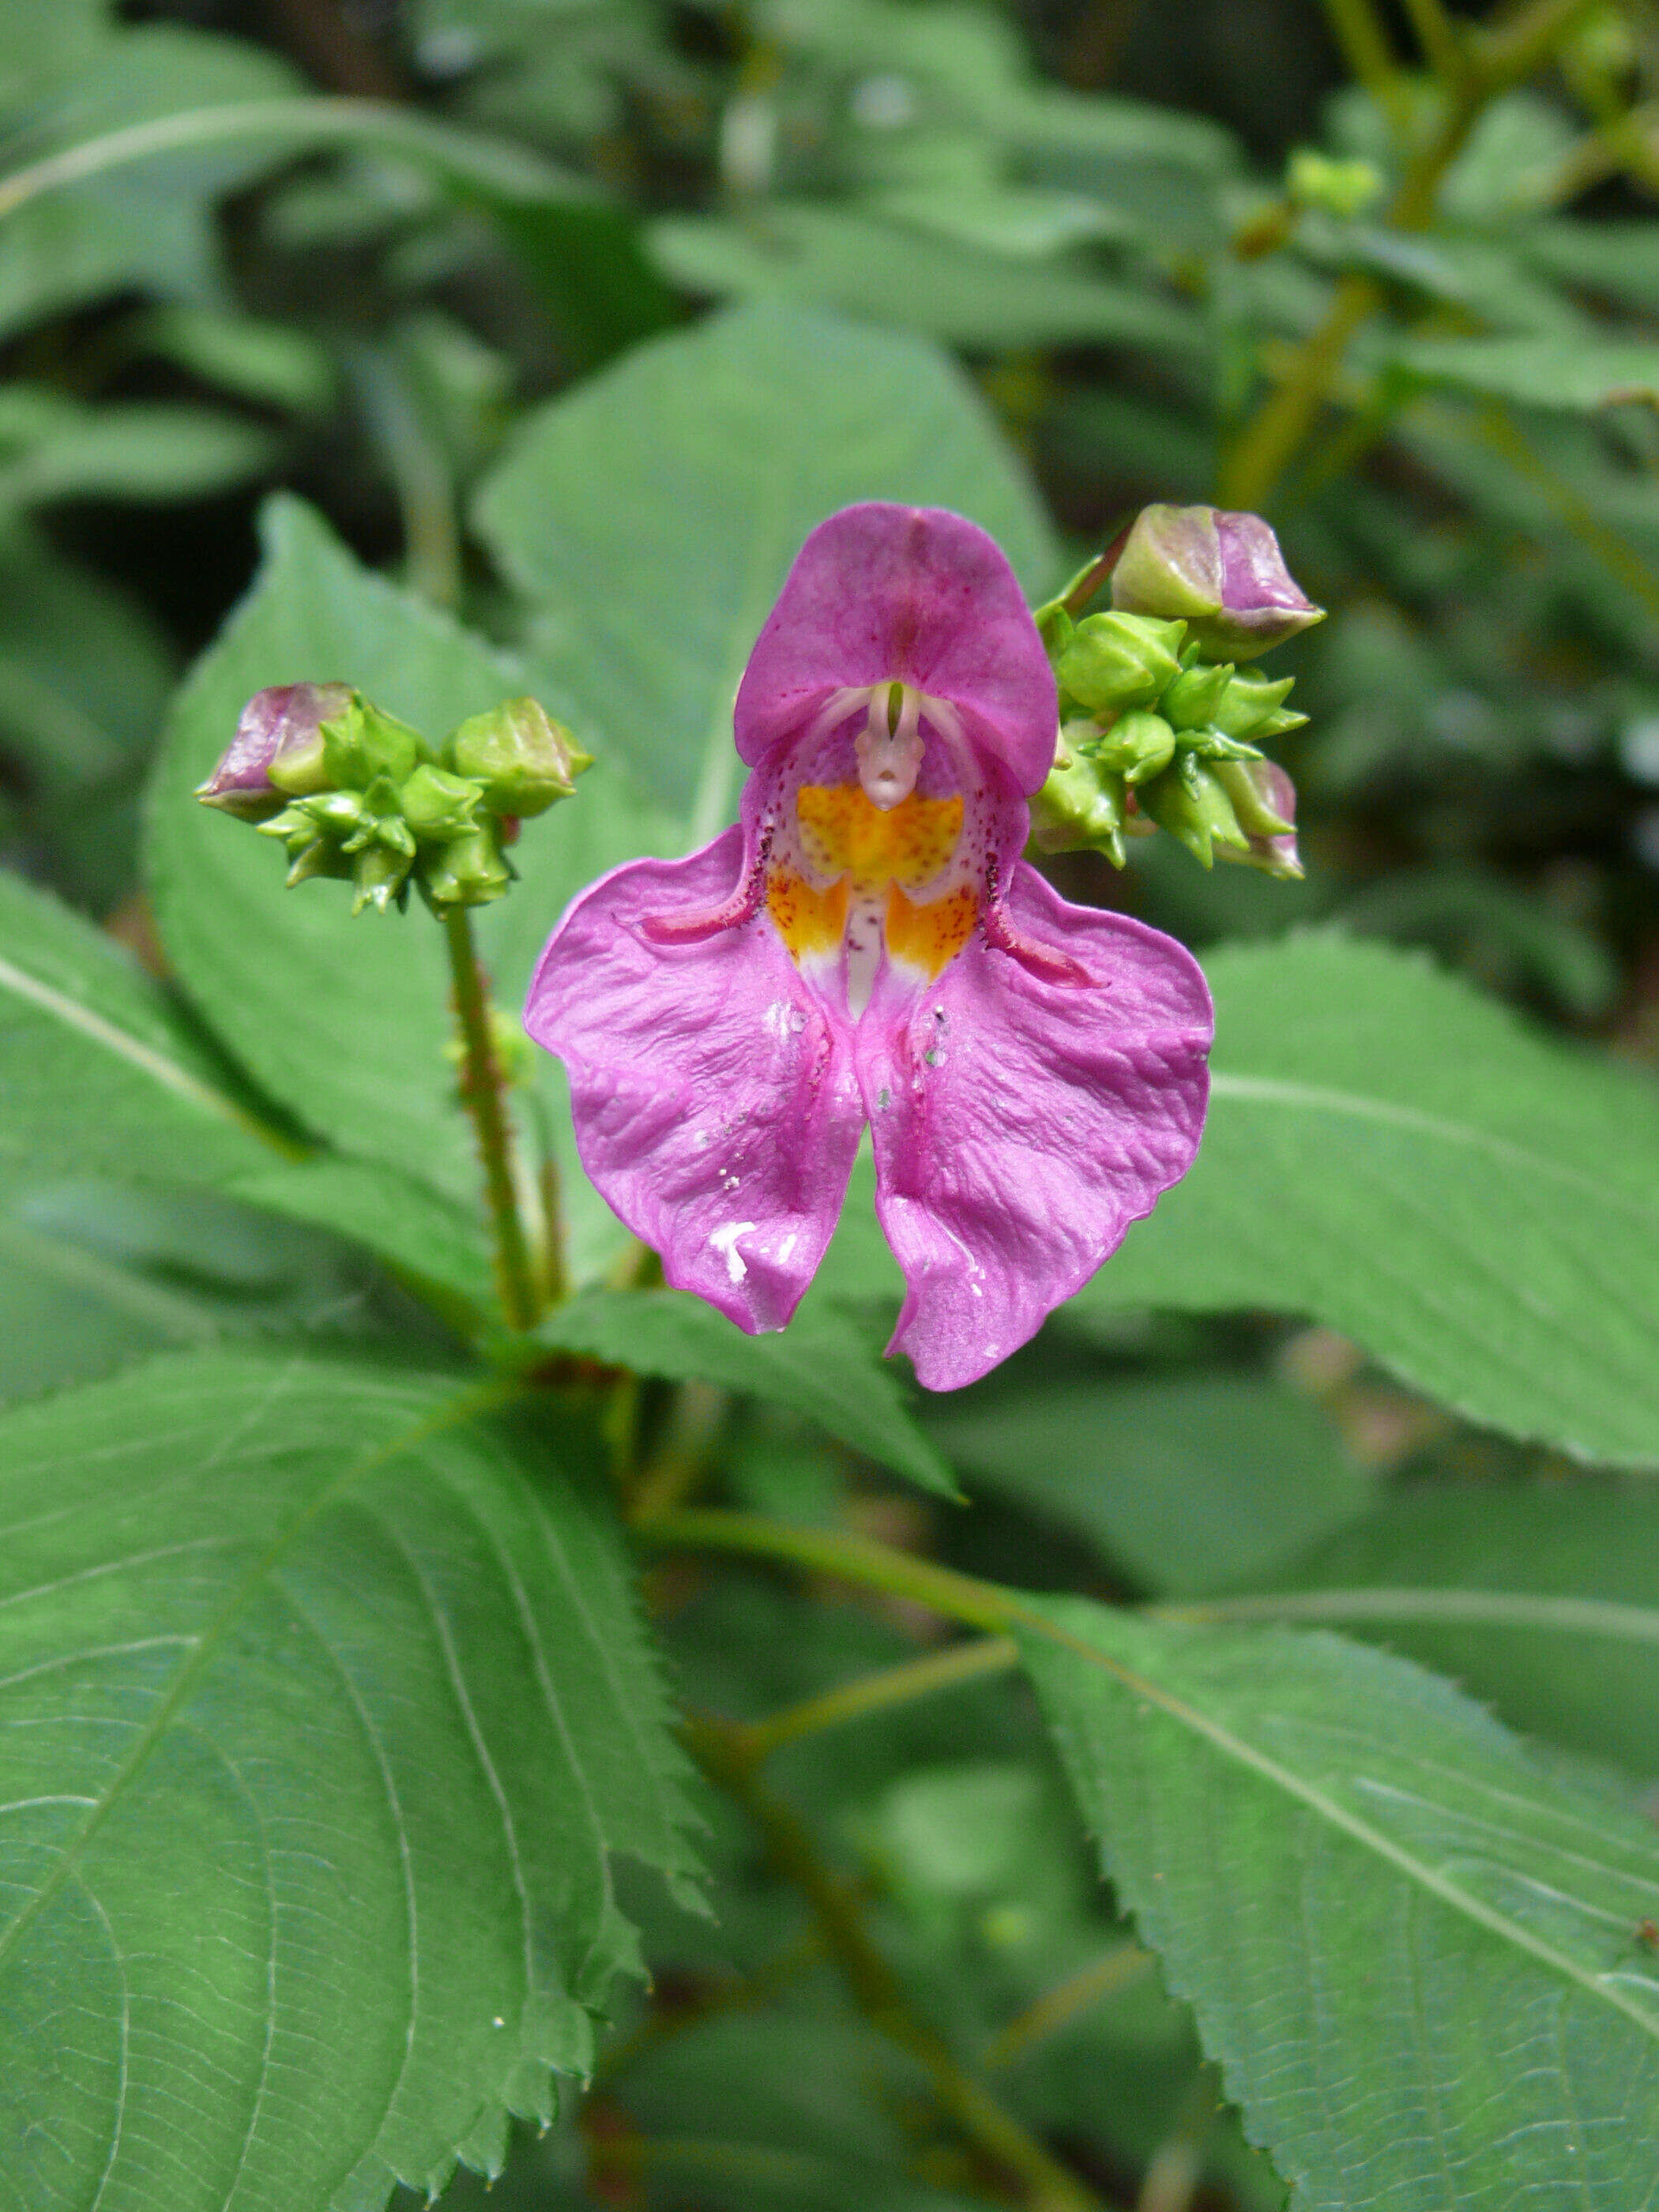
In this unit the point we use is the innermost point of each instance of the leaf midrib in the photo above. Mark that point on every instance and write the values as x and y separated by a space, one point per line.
1268 1769
1267 1090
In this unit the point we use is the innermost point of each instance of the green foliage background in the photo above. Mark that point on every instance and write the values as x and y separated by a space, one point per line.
1211 1762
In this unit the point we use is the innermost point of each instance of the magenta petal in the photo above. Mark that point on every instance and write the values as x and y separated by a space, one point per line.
1024 1119
914 595
713 1091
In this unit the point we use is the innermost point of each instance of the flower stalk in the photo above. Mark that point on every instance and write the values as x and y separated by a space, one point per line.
484 1094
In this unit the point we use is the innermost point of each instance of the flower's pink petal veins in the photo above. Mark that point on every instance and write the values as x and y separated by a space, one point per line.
914 595
1027 1105
716 1105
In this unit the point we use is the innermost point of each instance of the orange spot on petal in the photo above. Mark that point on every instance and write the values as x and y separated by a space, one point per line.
808 920
930 936
841 833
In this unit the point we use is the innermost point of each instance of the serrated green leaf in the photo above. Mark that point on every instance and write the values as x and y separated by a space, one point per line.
653 514
1542 1601
820 1366
1186 1481
324 1717
893 272
1415 1955
1395 1156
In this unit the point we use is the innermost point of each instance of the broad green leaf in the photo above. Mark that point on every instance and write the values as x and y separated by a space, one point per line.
151 229
100 1071
1415 1955
135 449
913 277
1580 373
47 39
1620 259
1187 1482
1395 1156
326 1713
1544 1602
820 1366
653 514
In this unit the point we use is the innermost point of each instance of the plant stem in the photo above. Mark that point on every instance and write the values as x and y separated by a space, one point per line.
1048 2186
873 1693
1366 50
1488 65
1047 2014
483 1092
1443 47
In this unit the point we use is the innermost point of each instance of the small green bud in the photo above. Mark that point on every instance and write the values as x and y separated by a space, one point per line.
380 822
362 741
1082 806
471 869
437 805
1120 660
524 759
1343 189
1138 744
1190 701
1249 702
1221 572
276 752
380 876
1054 627
1189 802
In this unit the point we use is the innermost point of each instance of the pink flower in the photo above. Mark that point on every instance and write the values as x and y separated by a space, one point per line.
867 945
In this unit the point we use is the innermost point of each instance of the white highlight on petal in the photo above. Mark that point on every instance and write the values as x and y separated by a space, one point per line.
890 746
725 1241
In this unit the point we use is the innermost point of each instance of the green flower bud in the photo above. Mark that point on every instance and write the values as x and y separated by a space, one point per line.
380 822
1120 660
1081 806
1248 703
523 759
1054 627
1189 802
362 741
437 805
380 876
1138 744
1190 701
471 869
1343 189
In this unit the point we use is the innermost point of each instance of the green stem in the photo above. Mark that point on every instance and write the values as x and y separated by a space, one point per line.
1048 2186
1046 2015
483 1091
1488 65
1443 47
873 1693
1366 50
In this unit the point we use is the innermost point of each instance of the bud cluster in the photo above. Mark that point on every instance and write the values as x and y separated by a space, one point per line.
1160 727
352 792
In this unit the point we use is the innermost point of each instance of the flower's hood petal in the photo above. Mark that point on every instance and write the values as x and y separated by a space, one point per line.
1026 1107
912 595
715 1102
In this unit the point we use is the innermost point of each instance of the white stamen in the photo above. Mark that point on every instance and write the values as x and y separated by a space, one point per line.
890 746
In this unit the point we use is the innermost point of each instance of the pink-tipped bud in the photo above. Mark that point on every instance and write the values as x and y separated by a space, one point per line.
1264 800
1222 573
281 724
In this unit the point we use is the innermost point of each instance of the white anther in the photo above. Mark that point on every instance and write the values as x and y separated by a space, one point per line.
890 746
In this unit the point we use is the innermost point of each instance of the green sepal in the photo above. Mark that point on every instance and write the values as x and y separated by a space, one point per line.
320 858
437 805
1054 627
382 821
1120 660
522 759
363 741
1137 745
1253 815
1211 745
